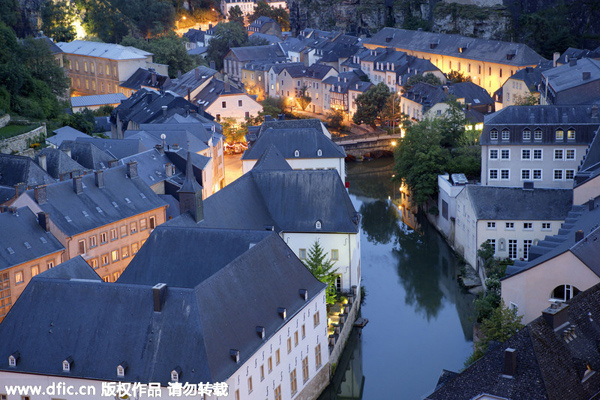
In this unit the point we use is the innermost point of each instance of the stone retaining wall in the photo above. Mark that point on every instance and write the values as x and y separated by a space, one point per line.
4 120
346 329
20 143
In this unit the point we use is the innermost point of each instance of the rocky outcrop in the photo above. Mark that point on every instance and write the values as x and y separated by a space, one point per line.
470 20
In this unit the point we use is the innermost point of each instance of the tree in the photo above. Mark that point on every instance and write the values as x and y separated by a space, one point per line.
427 78
452 124
304 99
370 104
262 9
322 270
233 131
458 77
335 119
227 35
392 115
527 100
57 20
236 15
41 63
83 121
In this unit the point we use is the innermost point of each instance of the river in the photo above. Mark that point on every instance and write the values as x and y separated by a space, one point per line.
419 318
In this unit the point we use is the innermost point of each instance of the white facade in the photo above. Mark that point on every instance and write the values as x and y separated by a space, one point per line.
307 164
447 205
238 106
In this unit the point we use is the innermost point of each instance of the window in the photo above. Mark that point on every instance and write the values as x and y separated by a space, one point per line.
525 154
318 356
277 357
270 364
558 154
174 376
293 383
505 134
537 174
512 248
50 264
247 114
114 255
296 339
570 154
77 65
152 222
558 174
120 369
491 225
527 226
18 277
509 225
249 385
94 263
335 255
505 174
560 134
224 104
316 319
570 134
93 241
262 372
303 331
492 243
35 270
493 174
134 248
564 293
239 103
526 135
505 154
278 393
123 230
537 154
289 345
569 173
305 369
113 234
237 394
81 247
537 134
115 71
525 174
116 276
105 259
133 227
107 69
302 254
143 226
494 134
526 245
92 67
546 226
125 252
493 154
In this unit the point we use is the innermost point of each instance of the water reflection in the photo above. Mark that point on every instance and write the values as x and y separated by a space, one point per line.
379 221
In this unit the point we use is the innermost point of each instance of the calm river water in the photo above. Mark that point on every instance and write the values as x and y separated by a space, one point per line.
419 318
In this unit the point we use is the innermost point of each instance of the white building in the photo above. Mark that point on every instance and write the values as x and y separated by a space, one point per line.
449 188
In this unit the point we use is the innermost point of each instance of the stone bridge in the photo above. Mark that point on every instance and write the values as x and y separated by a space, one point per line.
358 146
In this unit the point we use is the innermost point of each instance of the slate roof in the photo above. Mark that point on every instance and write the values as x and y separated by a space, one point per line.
429 95
102 124
191 80
87 154
495 51
174 139
121 197
64 133
20 169
214 90
507 203
547 365
143 77
195 329
97 100
569 76
573 53
22 239
103 50
272 39
195 35
289 201
197 51
116 148
271 159
547 118
590 165
270 52
345 81
151 166
54 49
59 164
532 77
74 268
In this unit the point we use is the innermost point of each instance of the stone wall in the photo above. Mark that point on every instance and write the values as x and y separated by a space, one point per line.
346 329
316 385
4 120
20 143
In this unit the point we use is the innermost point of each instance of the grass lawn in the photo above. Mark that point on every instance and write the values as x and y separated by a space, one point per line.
14 130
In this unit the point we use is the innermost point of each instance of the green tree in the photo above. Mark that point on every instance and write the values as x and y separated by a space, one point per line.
370 104
9 12
322 270
236 15
304 99
452 124
57 20
427 78
233 131
335 119
83 121
262 9
458 77
227 35
41 63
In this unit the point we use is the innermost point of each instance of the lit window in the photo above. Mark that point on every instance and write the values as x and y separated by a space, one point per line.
133 227
569 174
560 134
35 270
18 277
105 259
570 154
570 134
134 248
125 252
115 255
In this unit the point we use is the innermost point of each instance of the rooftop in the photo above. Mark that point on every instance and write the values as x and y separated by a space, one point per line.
103 50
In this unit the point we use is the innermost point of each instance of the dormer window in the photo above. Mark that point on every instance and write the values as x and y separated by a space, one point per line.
505 134
319 153
176 374
12 359
537 134
318 225
526 135
560 134
297 153
571 134
121 369
494 134
66 364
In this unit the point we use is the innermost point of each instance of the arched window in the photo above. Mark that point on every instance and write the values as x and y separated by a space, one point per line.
318 225
537 134
505 134
526 134
560 134
297 153
319 153
494 134
571 133
564 293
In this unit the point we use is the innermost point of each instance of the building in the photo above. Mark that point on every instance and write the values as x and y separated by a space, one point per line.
99 68
264 25
105 217
304 144
256 315
540 144
237 57
17 174
577 82
28 248
62 134
146 78
58 164
488 62
521 86
554 357
587 183
510 219
449 187
247 6
340 91
95 102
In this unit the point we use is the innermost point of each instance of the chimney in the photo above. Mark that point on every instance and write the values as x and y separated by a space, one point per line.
556 315
210 26
595 113
68 152
44 220
99 178
197 73
267 118
113 163
189 95
510 362
153 79
41 194
572 62
164 110
42 161
159 292
591 205
77 185
178 74
445 89
187 109
282 117
212 65
555 58
227 86
578 236
586 75
160 148
20 188
132 171
168 170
